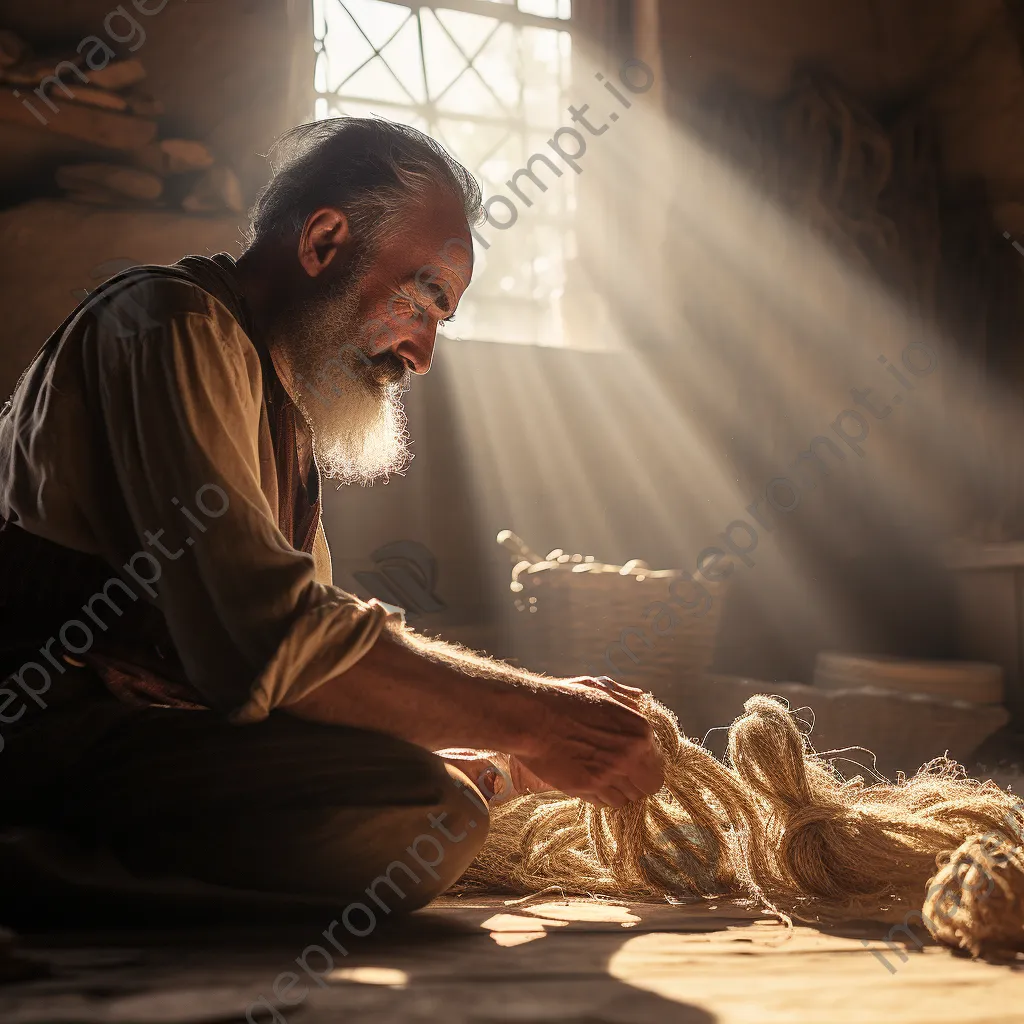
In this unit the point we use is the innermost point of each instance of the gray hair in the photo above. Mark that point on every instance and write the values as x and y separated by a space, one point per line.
368 167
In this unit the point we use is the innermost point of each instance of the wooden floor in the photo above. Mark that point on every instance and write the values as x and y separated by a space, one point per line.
483 962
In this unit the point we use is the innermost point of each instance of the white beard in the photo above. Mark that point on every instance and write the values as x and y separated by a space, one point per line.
359 433
357 418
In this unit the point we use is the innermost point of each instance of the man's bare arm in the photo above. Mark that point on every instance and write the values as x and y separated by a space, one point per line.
576 736
431 693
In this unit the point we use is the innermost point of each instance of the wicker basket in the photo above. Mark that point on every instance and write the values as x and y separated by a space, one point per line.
577 616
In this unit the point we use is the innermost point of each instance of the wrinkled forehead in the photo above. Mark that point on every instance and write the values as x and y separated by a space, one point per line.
456 257
437 237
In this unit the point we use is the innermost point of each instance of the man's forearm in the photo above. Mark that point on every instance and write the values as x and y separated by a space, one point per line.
431 693
577 736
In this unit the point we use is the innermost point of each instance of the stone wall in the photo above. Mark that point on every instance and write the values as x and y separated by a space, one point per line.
226 70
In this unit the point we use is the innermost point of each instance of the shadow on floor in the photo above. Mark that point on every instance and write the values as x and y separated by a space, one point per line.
480 964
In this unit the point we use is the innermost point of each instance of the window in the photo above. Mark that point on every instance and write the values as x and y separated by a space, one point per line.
488 79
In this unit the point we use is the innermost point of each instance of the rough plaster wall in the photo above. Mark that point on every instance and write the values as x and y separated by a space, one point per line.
880 48
50 249
980 109
961 59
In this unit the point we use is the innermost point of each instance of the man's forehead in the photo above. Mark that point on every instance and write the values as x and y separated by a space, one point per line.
441 240
448 259
456 256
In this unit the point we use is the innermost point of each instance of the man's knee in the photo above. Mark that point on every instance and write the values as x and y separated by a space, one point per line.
454 833
466 816
402 854
410 855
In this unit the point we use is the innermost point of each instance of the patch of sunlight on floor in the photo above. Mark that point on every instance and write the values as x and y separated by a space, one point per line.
588 910
387 977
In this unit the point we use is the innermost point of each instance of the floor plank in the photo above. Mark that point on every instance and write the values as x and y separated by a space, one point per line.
484 961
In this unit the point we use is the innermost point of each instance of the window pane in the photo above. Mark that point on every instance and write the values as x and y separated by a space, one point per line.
344 49
376 81
518 286
355 108
472 63
379 21
444 61
475 145
403 57
470 95
469 31
559 198
545 8
497 62
501 164
545 76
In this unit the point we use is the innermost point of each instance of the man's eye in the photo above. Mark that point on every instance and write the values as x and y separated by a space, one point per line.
442 301
435 295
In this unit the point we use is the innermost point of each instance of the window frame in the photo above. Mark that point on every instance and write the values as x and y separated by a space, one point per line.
515 123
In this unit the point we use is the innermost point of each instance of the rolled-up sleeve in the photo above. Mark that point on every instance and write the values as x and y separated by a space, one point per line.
180 503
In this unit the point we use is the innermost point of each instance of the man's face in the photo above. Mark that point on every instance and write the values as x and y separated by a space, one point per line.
352 344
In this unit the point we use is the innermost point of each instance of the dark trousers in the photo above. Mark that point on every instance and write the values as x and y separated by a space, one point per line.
181 807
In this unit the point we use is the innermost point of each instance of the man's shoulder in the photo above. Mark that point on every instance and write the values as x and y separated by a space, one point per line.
154 290
154 299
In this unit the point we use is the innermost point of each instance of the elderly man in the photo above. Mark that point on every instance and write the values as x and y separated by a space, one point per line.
186 692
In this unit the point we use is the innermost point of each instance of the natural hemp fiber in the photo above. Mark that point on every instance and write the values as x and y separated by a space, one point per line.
780 825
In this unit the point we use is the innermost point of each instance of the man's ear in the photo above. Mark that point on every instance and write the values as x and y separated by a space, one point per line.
324 235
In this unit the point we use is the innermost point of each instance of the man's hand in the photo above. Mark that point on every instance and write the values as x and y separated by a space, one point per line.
583 736
523 780
591 742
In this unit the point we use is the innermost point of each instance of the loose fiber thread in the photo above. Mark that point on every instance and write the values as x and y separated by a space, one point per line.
777 824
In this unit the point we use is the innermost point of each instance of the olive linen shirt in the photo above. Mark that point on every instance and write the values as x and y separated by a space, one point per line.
141 434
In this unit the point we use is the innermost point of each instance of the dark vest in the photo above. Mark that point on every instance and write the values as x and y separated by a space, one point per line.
43 584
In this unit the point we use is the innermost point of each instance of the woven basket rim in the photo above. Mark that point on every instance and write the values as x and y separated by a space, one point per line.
634 568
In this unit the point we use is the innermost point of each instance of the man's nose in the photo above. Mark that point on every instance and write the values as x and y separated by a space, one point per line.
417 350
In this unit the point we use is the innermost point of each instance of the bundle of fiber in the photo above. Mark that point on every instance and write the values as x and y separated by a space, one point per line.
976 901
677 843
837 848
778 824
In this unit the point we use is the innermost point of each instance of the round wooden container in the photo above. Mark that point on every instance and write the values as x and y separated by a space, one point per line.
975 682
